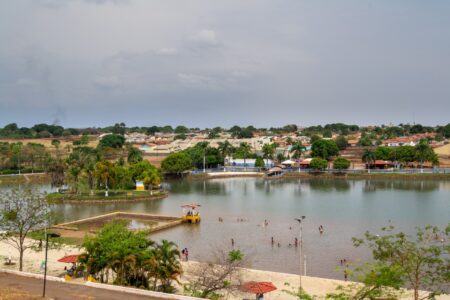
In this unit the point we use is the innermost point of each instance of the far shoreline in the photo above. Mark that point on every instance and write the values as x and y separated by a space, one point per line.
322 175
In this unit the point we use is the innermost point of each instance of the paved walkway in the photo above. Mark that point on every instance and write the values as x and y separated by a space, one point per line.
60 290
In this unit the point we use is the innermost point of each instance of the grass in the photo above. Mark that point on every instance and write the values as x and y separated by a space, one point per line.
100 195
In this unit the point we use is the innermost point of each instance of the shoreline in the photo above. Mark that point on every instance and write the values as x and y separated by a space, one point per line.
283 281
322 175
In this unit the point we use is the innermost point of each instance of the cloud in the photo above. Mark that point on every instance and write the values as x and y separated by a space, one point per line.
206 37
107 1
166 51
194 81
107 82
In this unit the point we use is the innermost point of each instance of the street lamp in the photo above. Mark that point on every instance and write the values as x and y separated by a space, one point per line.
52 235
299 220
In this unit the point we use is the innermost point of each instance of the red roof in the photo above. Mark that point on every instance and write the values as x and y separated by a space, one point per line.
69 259
258 287
383 162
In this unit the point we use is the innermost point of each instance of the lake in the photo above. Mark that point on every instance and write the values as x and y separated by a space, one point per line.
345 208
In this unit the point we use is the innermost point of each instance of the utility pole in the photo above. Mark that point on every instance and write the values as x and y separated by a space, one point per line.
299 220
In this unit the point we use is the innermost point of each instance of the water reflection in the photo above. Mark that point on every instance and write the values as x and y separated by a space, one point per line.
372 185
346 208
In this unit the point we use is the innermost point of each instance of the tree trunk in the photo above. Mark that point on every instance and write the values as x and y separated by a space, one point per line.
21 250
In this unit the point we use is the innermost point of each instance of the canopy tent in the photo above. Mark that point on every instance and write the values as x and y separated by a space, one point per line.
288 162
258 288
69 259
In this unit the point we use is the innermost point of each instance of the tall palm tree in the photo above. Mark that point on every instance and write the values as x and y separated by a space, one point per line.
225 148
245 149
169 266
268 151
369 158
297 148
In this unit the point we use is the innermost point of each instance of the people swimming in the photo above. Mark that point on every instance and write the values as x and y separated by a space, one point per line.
321 230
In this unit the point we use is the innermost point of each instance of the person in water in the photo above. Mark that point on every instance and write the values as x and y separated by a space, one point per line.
296 242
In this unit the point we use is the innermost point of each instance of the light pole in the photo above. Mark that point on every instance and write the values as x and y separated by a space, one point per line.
52 235
299 220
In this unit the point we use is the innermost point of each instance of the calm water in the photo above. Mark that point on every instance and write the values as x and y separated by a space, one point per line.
344 208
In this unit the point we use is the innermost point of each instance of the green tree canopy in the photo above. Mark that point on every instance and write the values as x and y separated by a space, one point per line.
318 164
112 141
341 163
176 163
324 149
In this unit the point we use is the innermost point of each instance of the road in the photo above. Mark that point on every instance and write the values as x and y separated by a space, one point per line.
60 290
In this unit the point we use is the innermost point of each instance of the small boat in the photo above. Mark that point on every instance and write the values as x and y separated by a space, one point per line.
191 213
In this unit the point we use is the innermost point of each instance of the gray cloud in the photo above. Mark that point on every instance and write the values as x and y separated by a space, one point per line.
205 64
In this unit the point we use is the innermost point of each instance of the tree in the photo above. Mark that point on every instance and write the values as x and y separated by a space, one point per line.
341 163
341 142
297 148
383 153
57 169
176 163
421 261
259 163
104 174
369 158
119 128
220 274
181 129
131 257
318 164
23 211
112 141
268 151
225 148
425 153
134 155
324 149
244 151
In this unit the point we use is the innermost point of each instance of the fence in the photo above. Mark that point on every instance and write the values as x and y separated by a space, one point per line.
351 171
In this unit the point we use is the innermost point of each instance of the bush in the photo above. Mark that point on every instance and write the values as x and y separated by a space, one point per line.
341 163
318 164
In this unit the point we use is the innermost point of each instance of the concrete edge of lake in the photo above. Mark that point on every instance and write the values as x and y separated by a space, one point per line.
322 175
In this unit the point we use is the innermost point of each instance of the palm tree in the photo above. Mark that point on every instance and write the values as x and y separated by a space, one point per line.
169 266
268 151
369 158
225 149
297 148
245 149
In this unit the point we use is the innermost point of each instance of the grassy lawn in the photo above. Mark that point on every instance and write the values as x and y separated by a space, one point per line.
100 195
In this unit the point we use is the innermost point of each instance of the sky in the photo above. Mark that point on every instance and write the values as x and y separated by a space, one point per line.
203 63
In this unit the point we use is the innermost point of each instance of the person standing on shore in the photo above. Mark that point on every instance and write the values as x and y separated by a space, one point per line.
232 242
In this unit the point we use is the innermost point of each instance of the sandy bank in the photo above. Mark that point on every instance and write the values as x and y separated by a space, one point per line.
313 285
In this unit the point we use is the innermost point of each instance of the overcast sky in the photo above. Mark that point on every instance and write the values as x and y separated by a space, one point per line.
218 63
